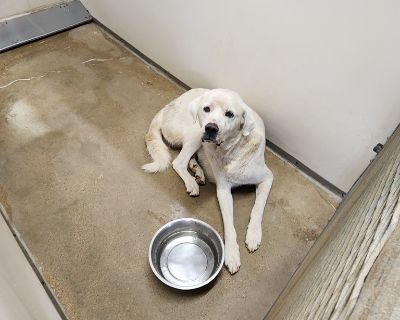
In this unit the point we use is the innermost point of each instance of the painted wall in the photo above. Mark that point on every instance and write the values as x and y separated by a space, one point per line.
10 8
324 75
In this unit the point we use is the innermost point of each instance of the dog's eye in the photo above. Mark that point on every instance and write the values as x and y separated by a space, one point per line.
206 109
229 114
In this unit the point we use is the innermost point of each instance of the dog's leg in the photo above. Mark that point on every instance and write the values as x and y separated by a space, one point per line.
180 164
232 254
254 229
197 171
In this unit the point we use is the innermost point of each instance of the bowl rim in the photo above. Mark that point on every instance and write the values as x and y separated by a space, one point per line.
213 276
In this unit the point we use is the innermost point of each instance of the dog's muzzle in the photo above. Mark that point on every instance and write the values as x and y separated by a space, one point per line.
210 133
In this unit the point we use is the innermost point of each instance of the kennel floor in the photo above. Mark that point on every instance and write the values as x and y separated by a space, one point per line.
74 109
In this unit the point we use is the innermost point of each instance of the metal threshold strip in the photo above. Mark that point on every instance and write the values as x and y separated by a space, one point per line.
27 28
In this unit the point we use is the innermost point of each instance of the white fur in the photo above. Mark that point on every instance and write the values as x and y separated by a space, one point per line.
236 158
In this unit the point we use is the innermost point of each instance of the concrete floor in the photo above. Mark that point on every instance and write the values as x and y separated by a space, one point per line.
74 109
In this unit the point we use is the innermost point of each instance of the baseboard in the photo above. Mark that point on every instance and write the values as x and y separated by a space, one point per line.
306 170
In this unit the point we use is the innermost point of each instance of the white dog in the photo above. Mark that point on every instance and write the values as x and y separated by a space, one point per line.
229 139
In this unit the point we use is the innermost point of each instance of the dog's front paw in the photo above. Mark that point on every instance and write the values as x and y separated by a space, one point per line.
232 257
253 237
192 187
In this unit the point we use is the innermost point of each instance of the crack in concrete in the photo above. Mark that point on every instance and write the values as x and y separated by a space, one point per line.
21 79
28 79
97 60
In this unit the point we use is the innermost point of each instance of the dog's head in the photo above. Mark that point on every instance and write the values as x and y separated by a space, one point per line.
222 115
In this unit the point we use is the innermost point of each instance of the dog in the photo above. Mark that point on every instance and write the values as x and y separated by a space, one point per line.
229 140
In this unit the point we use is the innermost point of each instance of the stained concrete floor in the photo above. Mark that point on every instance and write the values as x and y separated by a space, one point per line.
74 109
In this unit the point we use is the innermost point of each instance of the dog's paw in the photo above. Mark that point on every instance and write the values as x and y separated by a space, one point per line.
192 187
253 237
200 178
232 257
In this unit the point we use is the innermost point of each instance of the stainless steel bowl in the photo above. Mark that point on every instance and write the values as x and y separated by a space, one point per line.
186 254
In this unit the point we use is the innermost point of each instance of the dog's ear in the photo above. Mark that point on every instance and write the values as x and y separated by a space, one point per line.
248 123
194 106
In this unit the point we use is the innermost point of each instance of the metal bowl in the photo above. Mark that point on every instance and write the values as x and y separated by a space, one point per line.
186 254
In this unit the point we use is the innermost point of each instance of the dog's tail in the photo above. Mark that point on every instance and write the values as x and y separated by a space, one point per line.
156 147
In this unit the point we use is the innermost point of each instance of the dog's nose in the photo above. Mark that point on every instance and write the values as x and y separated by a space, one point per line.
211 128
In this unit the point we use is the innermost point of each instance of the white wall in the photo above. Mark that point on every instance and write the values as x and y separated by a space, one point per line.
324 75
10 8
